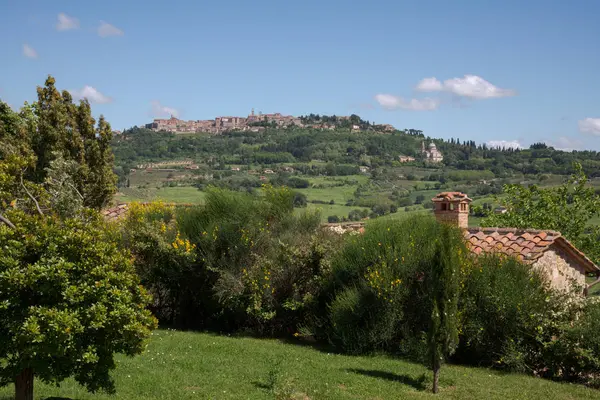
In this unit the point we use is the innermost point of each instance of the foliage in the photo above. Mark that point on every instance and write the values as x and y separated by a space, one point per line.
69 300
567 209
55 126
508 314
248 261
574 355
478 162
441 288
378 297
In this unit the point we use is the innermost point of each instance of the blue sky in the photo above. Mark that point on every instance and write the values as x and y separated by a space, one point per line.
475 69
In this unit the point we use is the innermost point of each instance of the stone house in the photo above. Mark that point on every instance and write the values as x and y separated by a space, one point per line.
545 250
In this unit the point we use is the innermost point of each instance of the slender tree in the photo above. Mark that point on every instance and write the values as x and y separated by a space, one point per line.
442 285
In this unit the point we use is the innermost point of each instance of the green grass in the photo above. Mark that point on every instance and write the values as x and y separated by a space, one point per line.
178 194
340 194
331 209
186 365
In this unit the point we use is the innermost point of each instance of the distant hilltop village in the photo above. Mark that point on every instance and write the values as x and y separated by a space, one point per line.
257 122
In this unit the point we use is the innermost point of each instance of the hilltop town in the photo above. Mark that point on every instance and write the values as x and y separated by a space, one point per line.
257 122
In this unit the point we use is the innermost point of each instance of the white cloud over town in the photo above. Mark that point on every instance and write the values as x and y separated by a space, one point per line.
507 144
29 51
91 94
392 102
159 110
590 126
66 22
105 30
471 86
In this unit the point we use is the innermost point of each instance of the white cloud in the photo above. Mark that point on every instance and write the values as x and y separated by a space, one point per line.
29 51
105 30
590 125
158 110
430 85
90 93
394 102
471 86
566 143
507 144
66 23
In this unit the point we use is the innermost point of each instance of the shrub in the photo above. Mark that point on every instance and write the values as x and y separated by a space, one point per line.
508 314
299 199
376 297
298 183
240 261
575 354
333 219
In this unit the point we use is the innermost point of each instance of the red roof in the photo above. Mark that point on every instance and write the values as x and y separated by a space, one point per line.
525 244
451 196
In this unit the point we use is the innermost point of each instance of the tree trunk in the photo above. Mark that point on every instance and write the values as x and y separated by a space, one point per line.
24 385
436 376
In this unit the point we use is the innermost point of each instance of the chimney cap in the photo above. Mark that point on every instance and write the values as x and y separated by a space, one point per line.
451 196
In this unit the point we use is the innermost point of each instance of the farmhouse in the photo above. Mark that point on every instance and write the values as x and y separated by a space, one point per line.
545 250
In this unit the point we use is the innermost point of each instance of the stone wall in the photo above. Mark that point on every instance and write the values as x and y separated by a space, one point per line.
560 268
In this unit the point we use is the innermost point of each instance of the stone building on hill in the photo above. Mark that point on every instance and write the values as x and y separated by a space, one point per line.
431 154
545 250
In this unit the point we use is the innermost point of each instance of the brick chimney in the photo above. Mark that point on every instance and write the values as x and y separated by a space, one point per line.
453 208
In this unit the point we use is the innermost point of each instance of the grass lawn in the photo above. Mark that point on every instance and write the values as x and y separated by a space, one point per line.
177 194
186 365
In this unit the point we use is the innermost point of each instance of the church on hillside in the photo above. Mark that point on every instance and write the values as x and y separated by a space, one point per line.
431 154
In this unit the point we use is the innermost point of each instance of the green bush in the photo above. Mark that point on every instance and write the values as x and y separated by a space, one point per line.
240 261
508 314
376 298
575 354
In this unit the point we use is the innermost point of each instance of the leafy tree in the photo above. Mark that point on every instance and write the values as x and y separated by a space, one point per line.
69 300
55 126
69 296
567 209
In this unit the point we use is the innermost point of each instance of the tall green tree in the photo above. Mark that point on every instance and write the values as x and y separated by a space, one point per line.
441 283
55 126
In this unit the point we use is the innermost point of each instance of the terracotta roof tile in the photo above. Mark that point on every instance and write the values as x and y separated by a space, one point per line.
525 244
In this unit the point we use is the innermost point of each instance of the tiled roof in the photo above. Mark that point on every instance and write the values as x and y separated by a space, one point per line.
115 213
451 196
525 244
